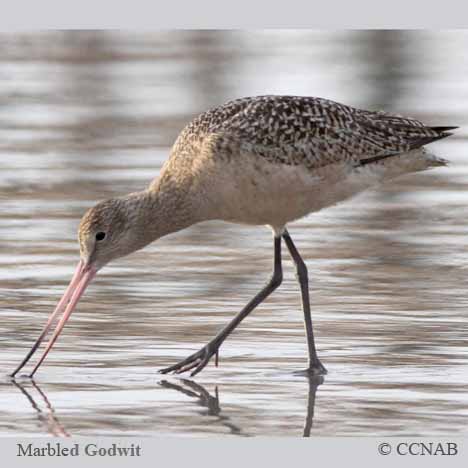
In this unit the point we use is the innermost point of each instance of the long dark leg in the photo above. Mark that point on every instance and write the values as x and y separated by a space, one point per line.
315 366
200 359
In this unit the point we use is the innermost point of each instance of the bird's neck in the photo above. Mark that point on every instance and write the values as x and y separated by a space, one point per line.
164 208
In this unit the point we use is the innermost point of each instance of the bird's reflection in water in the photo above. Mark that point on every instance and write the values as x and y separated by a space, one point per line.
206 400
202 397
314 382
47 418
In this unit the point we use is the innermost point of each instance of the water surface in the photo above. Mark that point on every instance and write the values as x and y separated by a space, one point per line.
85 116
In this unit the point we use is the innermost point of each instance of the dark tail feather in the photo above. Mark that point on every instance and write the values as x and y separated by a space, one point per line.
443 132
418 144
443 129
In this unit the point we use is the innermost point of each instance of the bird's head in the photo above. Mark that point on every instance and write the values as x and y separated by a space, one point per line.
108 231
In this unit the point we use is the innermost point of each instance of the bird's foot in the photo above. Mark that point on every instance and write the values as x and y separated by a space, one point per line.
196 361
317 368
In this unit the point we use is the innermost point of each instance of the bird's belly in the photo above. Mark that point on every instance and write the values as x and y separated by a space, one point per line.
257 192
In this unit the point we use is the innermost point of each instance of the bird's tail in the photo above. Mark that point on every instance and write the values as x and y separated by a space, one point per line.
413 147
418 160
413 161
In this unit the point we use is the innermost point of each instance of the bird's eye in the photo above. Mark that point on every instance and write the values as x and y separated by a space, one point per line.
100 236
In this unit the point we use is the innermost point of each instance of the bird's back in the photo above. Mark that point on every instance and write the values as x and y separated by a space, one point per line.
307 131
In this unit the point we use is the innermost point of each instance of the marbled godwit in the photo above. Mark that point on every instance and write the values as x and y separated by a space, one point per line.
264 160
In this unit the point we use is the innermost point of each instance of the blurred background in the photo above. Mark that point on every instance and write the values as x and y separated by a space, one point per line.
89 115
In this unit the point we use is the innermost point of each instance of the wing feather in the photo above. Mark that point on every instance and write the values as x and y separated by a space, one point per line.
308 131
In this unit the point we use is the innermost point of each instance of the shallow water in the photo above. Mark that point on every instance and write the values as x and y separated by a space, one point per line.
85 116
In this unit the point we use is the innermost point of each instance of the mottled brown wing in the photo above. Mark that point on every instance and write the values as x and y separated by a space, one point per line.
314 132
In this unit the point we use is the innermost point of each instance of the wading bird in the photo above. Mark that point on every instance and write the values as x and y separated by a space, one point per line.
265 160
